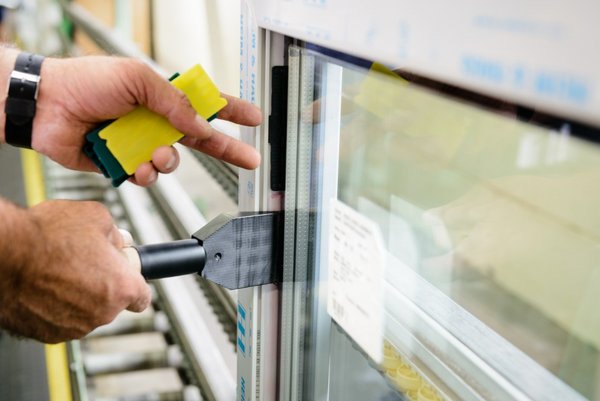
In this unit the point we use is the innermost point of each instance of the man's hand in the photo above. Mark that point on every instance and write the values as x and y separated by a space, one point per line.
78 93
65 275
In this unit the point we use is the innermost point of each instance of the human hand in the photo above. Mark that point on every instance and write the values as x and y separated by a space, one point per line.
74 278
78 93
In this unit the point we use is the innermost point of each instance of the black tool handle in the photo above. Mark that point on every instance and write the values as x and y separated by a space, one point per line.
171 259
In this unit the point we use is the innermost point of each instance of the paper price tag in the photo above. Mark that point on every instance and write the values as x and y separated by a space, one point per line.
356 271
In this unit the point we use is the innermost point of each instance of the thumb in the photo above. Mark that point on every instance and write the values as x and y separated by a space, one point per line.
160 96
143 293
133 259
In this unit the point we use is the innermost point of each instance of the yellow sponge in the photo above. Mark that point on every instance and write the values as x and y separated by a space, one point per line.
118 147
133 138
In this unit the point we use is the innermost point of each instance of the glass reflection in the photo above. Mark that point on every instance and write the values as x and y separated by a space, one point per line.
497 213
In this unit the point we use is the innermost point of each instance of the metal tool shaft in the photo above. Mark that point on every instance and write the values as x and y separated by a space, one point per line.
231 251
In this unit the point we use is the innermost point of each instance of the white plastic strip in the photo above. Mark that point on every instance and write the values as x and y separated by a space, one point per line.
546 58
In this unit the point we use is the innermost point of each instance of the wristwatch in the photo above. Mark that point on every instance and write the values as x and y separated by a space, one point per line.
23 88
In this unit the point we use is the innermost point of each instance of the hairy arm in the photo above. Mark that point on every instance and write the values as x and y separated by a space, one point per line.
61 270
16 233
75 94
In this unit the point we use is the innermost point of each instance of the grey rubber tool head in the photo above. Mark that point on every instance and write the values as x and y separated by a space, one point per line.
241 251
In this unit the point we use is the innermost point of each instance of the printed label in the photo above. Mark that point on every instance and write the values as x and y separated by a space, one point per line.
356 272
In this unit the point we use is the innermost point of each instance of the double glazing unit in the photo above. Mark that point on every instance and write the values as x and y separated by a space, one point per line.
487 214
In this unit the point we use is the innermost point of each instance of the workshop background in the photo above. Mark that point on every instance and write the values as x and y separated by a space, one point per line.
436 170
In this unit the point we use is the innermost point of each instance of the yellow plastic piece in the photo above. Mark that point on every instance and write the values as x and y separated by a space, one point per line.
379 91
390 363
426 393
405 378
410 382
132 138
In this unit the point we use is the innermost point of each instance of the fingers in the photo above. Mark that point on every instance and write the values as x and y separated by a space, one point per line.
161 97
216 144
145 175
156 93
240 111
164 160
135 292
132 256
224 147
127 237
115 237
141 297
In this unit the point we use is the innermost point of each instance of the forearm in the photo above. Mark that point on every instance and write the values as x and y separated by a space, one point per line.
7 62
17 234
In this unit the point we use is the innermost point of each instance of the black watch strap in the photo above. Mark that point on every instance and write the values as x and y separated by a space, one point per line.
23 87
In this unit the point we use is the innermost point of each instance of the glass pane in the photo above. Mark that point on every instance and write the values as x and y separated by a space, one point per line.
492 241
